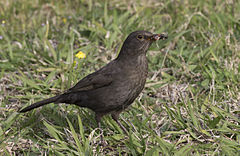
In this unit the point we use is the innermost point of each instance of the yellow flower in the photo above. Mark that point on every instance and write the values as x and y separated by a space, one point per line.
3 22
80 55
64 20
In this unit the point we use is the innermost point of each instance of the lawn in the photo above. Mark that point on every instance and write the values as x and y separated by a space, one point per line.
191 101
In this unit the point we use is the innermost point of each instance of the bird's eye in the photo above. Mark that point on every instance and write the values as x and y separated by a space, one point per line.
140 37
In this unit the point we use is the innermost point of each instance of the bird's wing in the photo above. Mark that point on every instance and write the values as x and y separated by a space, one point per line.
92 81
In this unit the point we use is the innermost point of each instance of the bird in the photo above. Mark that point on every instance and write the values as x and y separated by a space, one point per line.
115 86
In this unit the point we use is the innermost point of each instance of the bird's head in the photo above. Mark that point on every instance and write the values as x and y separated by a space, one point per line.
138 42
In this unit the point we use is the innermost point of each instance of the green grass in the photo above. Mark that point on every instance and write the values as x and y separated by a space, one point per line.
191 101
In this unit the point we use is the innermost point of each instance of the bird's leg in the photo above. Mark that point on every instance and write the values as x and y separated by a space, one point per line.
115 118
98 118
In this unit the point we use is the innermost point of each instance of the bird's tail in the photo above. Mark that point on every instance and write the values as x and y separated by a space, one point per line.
40 103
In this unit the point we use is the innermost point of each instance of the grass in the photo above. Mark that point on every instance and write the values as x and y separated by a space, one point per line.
191 101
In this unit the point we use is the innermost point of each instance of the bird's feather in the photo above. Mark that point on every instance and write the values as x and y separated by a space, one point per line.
92 81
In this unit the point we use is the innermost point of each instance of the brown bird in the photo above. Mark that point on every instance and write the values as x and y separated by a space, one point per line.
115 86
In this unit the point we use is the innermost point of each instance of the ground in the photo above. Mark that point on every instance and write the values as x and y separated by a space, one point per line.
191 101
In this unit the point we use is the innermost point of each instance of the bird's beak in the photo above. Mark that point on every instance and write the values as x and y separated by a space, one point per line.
161 36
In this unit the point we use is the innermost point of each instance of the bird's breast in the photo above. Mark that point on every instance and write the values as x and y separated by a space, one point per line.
135 79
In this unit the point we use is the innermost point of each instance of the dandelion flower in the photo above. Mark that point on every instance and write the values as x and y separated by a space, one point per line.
80 55
3 22
64 20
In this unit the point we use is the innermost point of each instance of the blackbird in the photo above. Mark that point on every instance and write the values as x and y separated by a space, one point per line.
115 86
